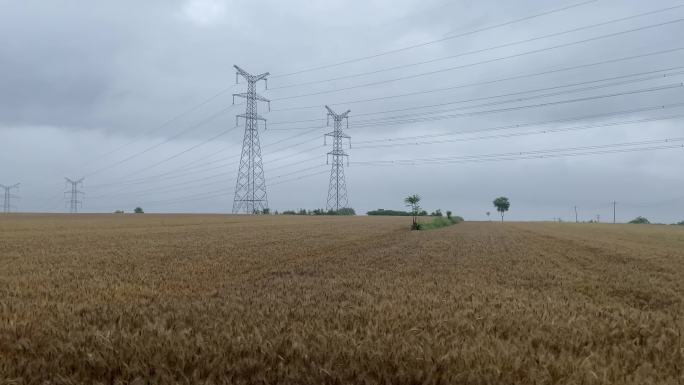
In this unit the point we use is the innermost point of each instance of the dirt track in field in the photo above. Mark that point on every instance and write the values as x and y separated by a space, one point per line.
226 299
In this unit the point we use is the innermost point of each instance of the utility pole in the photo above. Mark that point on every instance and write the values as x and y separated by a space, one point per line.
7 204
576 219
74 194
614 204
337 190
250 186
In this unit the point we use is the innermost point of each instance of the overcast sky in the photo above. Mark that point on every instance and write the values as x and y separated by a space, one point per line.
136 97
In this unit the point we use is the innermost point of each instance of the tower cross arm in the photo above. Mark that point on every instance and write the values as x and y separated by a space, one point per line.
249 76
335 115
261 77
74 181
247 95
338 135
242 72
248 116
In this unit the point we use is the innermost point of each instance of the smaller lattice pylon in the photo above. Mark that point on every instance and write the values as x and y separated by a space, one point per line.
74 194
8 196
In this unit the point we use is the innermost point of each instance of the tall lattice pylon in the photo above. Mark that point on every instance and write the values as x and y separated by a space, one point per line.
337 191
250 186
74 194
8 196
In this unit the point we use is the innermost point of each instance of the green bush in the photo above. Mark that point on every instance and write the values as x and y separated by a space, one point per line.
346 211
639 221
394 213
438 222
342 211
138 210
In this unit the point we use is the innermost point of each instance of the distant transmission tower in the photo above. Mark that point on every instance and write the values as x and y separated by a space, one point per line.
337 191
250 186
7 201
74 194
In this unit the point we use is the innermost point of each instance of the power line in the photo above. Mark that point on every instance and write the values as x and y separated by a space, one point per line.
185 151
576 90
166 188
408 65
623 82
314 128
168 140
521 125
428 73
490 159
516 100
623 112
172 120
223 91
508 109
192 184
516 134
384 53
462 101
374 121
667 143
479 83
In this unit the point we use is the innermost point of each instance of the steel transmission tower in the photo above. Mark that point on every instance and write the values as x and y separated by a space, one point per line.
337 191
74 194
250 186
7 201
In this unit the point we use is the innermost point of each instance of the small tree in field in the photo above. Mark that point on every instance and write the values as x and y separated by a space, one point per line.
413 201
138 210
488 214
502 205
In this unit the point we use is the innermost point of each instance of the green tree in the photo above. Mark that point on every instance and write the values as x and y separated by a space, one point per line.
413 201
346 211
138 210
502 205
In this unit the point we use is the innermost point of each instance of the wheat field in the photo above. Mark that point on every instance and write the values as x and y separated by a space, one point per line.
219 299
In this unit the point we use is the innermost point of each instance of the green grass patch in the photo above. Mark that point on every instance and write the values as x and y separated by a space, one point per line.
439 222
